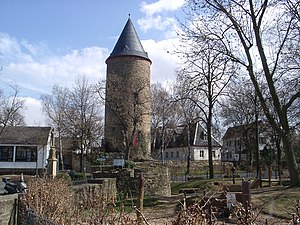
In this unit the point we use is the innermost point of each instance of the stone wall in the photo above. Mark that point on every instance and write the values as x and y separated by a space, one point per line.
6 206
196 167
102 189
157 179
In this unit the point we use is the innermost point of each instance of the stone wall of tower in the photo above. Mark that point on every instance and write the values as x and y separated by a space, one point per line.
128 105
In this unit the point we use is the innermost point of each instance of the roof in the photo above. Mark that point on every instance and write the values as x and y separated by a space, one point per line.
242 130
25 135
129 44
198 137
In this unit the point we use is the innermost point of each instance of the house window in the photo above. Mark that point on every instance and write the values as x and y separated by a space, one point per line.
213 154
177 154
6 153
26 154
201 153
229 143
262 140
172 155
203 136
167 155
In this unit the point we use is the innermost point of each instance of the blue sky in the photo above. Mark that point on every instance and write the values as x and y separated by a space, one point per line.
48 42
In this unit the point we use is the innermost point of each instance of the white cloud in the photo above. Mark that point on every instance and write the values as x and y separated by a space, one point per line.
36 75
160 22
155 22
35 71
33 113
161 5
163 62
11 50
26 65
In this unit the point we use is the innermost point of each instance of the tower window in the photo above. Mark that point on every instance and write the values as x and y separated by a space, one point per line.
126 48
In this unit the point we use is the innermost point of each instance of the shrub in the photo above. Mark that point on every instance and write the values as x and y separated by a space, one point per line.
129 164
64 176
79 176
54 200
51 199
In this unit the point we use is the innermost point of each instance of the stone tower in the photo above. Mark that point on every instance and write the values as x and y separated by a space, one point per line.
127 106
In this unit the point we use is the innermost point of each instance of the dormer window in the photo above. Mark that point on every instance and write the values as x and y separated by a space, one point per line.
203 136
126 48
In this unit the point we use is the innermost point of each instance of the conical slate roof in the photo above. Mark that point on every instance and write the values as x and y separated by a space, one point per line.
129 43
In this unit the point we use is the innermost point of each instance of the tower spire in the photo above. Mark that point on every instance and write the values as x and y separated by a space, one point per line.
129 43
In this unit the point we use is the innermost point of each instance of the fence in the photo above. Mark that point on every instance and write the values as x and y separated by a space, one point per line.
33 219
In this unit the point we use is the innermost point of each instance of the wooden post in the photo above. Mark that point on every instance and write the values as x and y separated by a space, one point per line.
246 192
270 176
140 200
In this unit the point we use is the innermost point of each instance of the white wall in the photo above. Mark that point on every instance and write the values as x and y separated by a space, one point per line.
195 153
42 155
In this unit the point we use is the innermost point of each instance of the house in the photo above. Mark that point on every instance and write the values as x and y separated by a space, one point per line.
176 148
24 149
239 142
71 154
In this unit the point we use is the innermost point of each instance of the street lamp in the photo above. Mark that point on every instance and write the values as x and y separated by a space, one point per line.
233 168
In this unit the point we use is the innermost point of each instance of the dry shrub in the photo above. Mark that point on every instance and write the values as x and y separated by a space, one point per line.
198 213
54 199
296 214
51 199
244 213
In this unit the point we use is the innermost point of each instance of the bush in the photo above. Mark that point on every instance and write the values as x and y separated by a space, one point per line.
56 201
78 176
129 164
51 199
64 176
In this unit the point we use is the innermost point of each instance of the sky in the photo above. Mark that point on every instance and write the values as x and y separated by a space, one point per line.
53 42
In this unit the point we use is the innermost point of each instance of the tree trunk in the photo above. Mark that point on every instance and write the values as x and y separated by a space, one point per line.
209 143
291 161
140 200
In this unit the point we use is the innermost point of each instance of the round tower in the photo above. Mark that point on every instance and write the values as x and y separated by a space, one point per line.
127 106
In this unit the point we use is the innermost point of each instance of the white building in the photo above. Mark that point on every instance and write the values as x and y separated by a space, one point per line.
24 149
239 142
177 147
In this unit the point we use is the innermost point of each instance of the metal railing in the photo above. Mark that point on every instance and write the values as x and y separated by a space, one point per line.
33 219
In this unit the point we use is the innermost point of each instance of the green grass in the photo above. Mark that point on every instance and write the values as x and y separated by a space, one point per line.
175 187
278 201
129 203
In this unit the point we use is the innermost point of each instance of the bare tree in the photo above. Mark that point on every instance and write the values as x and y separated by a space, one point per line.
240 103
165 117
206 73
84 118
241 107
190 115
10 107
55 108
76 113
257 34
